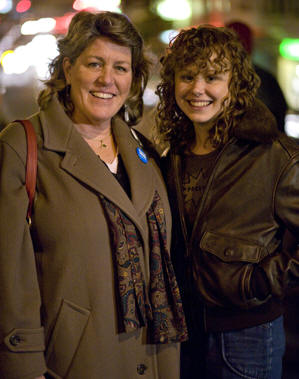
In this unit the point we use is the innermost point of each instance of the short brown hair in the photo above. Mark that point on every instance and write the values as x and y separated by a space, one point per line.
84 28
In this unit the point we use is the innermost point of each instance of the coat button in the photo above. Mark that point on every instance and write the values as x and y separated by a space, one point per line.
15 339
141 369
229 252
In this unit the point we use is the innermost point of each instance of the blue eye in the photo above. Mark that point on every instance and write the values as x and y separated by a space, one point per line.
94 64
121 68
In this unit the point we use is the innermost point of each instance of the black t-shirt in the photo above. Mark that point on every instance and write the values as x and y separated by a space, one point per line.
196 172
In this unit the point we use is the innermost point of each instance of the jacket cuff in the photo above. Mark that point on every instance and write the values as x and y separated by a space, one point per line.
22 354
25 340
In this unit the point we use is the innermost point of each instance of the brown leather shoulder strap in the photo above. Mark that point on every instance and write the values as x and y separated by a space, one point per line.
31 164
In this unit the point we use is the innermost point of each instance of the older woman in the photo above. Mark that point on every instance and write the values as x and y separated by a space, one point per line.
88 291
234 187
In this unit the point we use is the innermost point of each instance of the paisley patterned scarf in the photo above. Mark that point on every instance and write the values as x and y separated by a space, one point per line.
159 306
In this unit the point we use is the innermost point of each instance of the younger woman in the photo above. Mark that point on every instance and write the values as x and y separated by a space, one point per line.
233 183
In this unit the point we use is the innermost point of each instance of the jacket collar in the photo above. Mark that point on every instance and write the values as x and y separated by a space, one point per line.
81 162
256 124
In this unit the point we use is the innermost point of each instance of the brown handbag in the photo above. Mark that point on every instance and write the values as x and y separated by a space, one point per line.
31 164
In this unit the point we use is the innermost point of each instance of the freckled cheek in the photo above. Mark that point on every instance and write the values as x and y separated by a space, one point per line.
85 80
80 85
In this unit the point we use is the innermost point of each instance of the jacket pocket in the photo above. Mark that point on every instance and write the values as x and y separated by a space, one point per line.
67 333
223 268
230 249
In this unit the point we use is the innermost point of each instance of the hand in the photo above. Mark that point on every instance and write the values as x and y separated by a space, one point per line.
41 377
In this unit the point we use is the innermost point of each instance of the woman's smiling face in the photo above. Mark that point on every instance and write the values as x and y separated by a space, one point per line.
100 81
200 95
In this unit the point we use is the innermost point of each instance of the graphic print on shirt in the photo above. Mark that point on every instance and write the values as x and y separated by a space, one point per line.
193 188
197 170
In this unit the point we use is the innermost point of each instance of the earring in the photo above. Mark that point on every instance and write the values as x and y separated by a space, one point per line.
126 113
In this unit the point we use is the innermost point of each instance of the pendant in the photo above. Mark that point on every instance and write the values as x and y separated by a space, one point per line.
102 144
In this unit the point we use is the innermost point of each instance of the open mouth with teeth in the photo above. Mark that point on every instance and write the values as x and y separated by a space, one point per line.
200 103
102 95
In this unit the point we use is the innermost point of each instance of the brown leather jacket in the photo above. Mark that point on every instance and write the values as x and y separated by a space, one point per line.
234 254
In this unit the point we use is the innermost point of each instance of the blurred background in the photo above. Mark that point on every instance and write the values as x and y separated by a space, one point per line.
29 31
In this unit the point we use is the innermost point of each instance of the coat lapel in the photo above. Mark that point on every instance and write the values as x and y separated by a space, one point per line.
140 173
81 162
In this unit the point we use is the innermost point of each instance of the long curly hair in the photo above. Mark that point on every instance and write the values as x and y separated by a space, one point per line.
204 46
84 28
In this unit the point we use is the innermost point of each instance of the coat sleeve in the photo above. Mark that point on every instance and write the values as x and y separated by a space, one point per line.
282 269
21 333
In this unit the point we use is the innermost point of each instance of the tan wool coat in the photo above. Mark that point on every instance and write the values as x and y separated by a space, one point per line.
57 294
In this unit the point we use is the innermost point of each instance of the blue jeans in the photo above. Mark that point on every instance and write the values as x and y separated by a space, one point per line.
251 353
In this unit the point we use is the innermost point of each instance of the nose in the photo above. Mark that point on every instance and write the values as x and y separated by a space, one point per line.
106 76
198 86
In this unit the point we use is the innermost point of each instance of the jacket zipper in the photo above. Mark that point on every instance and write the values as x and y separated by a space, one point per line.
176 161
207 189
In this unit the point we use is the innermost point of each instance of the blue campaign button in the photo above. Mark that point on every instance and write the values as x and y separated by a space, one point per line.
141 154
